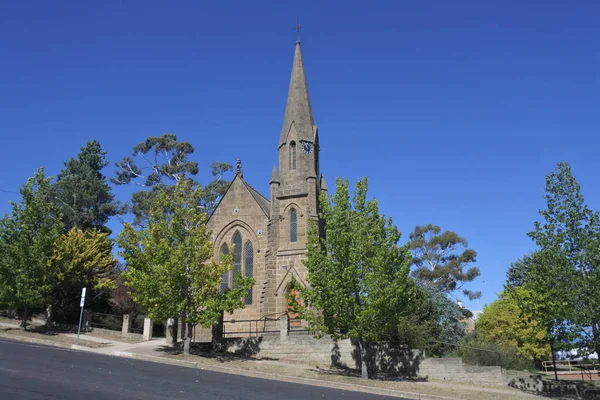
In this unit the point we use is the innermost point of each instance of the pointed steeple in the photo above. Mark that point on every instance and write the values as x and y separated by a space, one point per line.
322 183
274 175
297 110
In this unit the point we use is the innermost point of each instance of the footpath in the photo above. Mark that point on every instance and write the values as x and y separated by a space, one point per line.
156 350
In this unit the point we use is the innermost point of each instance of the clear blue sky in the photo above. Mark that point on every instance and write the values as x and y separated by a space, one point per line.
454 110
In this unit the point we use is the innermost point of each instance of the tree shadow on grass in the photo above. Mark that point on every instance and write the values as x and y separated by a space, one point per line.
246 350
355 373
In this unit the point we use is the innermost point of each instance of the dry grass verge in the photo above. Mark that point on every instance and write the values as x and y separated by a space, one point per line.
327 374
47 335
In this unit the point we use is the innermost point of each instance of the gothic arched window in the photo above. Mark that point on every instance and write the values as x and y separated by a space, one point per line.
248 268
237 253
292 155
225 278
293 225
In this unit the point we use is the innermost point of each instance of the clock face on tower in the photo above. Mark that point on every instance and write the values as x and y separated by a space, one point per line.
307 147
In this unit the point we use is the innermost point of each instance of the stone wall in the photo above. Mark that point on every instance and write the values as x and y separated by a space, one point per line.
535 384
382 358
239 211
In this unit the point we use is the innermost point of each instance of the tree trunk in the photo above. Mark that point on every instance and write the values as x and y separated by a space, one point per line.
364 372
553 356
596 336
25 317
188 338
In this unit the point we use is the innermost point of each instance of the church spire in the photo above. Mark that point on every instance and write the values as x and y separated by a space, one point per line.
298 112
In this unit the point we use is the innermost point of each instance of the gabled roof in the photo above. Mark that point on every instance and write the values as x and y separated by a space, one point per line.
262 201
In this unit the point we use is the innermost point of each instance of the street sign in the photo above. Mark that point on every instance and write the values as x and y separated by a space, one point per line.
82 302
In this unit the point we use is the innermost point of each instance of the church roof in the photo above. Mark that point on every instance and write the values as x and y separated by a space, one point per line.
297 109
262 201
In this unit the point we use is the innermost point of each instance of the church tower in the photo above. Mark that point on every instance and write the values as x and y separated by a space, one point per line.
295 186
267 237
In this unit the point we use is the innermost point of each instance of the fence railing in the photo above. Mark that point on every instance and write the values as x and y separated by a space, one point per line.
250 327
106 321
587 369
476 355
137 324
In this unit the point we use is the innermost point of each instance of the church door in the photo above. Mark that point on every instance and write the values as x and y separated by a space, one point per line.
293 316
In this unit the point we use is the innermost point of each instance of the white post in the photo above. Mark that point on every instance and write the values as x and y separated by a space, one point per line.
81 304
126 327
148 325
284 327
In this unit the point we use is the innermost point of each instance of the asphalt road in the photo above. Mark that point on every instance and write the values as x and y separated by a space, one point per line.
29 371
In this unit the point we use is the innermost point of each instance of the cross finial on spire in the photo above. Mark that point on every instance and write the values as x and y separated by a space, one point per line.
297 29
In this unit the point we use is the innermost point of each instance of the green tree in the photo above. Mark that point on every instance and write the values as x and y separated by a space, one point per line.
450 320
517 272
359 284
80 259
441 258
82 192
27 238
156 165
170 267
569 259
504 323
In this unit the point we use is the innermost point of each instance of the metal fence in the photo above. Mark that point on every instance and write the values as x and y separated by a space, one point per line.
106 321
137 324
250 327
585 370
471 354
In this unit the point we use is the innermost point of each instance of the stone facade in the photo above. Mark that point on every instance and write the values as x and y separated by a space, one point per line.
275 229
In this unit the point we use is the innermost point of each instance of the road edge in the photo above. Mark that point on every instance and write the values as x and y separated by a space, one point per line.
235 371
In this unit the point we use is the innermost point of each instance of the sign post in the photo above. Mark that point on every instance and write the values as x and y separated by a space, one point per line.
81 304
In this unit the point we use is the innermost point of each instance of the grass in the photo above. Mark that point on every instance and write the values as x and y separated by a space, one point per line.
327 374
47 334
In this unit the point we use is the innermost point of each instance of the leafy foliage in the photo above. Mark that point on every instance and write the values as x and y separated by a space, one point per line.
121 300
476 351
449 319
438 258
156 165
170 266
565 271
358 274
82 193
26 240
518 271
504 324
80 259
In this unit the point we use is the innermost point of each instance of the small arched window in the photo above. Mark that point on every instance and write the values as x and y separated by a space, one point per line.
292 156
237 253
225 278
293 225
248 268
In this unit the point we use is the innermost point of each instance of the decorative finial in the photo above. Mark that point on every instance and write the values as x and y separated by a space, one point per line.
238 166
297 29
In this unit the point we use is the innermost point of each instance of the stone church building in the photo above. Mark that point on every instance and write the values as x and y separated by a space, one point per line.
269 233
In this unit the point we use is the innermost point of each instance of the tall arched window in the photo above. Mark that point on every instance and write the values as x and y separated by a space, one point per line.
292 155
225 278
237 253
293 225
249 268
